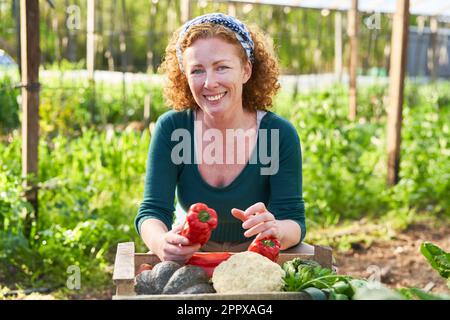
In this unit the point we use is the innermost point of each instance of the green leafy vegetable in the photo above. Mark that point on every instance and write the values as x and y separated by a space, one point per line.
415 293
438 259
304 274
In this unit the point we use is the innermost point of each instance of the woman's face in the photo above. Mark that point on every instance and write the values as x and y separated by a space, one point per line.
215 75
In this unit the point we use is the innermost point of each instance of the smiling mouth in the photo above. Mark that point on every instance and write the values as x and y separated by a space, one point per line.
215 97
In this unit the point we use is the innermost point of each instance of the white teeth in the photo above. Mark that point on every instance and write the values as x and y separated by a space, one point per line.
216 97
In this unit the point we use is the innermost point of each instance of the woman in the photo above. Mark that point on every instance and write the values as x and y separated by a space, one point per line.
221 146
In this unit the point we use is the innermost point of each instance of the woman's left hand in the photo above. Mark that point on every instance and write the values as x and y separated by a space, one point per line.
258 220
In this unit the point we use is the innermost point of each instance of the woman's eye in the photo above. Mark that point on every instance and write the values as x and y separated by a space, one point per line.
223 67
196 71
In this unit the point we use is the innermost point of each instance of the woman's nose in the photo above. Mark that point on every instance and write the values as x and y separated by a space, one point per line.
210 80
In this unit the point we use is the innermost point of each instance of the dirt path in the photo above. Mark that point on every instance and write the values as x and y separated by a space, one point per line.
399 263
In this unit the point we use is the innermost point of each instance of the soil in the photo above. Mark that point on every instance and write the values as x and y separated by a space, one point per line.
398 263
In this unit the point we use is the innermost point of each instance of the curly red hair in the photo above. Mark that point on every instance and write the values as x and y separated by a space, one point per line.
258 91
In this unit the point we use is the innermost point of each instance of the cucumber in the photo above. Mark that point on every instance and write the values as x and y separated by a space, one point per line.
315 293
340 296
337 296
343 287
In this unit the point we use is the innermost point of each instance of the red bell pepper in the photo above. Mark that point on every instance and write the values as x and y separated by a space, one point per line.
143 267
200 222
208 260
268 247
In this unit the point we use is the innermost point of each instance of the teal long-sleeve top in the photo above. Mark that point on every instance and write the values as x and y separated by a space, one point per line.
279 187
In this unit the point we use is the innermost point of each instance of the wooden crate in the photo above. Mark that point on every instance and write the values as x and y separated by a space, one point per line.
128 261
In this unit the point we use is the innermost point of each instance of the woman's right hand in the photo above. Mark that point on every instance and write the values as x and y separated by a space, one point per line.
175 247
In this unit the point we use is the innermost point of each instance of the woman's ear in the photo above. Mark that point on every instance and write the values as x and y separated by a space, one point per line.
247 69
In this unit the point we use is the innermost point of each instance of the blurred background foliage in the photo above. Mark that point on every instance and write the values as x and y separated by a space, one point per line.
91 175
94 142
132 35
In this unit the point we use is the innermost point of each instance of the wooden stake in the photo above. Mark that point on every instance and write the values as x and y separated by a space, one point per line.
90 39
338 45
150 37
433 60
110 52
147 109
399 45
353 34
30 57
16 12
231 9
186 10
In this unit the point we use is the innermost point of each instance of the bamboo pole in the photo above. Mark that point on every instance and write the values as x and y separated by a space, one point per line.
353 34
399 43
30 57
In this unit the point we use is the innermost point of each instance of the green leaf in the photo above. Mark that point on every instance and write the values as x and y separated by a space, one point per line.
438 258
411 293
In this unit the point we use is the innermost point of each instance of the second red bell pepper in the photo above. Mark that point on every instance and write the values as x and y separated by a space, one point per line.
268 247
208 260
200 222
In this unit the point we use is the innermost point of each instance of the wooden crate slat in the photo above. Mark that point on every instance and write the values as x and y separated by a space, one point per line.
222 296
127 262
124 272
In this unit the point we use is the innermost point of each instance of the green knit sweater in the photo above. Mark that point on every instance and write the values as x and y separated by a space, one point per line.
280 190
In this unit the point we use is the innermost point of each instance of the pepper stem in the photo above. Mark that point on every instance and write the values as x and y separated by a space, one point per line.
268 243
203 216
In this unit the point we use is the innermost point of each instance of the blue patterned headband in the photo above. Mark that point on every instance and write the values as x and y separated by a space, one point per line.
239 29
